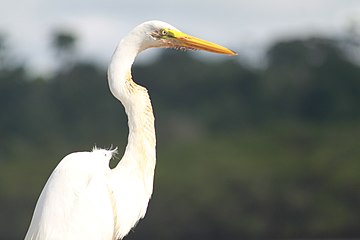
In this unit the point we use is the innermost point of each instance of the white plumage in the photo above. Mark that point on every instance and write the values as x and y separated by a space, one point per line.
77 196
85 199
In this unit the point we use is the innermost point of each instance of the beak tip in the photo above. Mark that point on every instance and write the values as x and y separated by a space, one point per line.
230 52
233 53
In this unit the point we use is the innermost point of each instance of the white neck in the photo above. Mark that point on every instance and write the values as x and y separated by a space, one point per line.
132 179
140 150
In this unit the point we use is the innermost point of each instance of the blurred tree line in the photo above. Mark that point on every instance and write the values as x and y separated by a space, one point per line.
243 152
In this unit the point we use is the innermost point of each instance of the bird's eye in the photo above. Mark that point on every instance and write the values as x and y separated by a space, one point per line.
163 32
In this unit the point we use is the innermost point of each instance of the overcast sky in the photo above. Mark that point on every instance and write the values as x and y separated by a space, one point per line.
245 26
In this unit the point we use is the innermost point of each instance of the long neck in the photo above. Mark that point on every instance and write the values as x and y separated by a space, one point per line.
140 150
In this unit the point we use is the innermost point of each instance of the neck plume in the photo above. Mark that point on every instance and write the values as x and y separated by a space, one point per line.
140 150
132 178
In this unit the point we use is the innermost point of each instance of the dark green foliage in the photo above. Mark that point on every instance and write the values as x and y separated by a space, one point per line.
313 80
242 152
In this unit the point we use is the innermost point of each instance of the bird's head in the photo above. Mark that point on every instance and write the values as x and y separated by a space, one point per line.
163 35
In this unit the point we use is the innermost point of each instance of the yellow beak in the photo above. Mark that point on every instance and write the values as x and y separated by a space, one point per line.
188 41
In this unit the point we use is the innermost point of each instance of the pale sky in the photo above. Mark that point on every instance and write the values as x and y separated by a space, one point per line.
244 26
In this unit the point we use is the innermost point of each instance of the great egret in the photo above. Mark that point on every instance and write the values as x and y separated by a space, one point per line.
85 199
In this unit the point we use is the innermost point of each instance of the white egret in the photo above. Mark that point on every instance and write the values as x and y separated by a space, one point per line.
85 199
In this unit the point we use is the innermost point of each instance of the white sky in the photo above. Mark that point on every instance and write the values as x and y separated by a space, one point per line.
246 26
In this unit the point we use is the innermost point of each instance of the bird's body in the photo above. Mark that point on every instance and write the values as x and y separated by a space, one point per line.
82 178
85 199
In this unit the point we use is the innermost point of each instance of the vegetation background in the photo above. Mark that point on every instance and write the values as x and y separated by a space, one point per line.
270 151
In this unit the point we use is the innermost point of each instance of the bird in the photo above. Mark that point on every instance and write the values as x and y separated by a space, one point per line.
86 199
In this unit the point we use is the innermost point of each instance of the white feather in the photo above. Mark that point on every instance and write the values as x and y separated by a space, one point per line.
75 200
